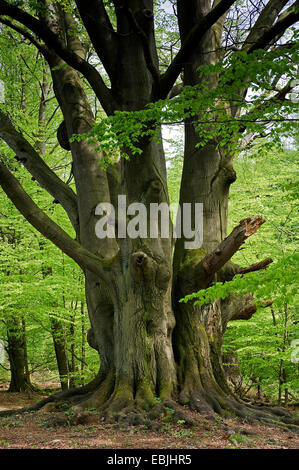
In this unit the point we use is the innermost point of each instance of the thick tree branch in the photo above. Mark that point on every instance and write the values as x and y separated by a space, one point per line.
230 269
148 55
196 34
175 91
39 220
36 166
279 96
53 42
25 34
100 30
240 307
214 261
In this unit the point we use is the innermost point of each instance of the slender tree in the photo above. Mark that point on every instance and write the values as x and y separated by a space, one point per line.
149 344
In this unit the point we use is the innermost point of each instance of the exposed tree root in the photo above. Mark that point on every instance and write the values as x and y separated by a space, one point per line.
116 403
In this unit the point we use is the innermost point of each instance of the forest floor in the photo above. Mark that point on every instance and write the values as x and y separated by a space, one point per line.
38 430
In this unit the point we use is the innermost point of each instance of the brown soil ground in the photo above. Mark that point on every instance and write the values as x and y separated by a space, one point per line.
40 431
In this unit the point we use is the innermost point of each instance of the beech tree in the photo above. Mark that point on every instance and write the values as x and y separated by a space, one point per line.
153 349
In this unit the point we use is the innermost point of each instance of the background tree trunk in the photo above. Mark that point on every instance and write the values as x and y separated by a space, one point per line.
17 356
